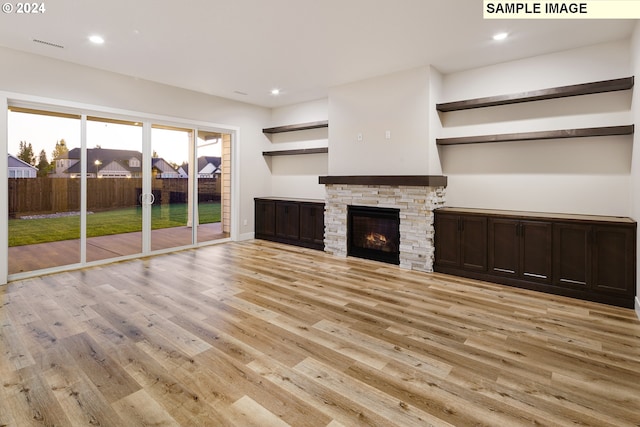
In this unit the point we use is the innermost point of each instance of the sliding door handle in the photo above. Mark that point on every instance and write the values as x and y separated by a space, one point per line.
147 199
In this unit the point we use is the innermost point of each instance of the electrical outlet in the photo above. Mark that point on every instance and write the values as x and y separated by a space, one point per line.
387 134
245 222
359 137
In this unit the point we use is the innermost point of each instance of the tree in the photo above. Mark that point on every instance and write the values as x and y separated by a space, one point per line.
25 153
60 150
44 167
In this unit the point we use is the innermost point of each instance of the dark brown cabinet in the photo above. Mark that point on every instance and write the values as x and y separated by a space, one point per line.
463 242
293 221
312 224
287 220
597 258
588 257
520 249
265 214
613 259
572 260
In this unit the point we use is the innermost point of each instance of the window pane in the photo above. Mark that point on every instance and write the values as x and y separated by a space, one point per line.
44 201
211 189
171 214
114 188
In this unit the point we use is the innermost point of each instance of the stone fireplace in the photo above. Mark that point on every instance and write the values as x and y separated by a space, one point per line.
414 197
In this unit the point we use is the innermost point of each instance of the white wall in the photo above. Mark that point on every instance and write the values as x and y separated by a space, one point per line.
435 125
398 103
634 194
583 175
304 112
582 65
44 77
297 176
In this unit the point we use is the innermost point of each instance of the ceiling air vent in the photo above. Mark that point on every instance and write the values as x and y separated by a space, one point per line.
48 43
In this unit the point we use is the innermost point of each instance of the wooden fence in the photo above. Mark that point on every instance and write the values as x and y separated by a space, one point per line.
43 195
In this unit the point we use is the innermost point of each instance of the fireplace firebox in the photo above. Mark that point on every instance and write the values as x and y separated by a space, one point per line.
374 233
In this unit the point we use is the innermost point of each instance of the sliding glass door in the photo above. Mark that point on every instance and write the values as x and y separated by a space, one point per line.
171 183
88 188
188 194
114 188
44 198
212 192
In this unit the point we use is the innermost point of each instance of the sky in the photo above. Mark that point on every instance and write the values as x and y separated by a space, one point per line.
42 132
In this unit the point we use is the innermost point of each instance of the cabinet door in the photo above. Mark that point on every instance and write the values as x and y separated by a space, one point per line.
571 255
288 220
265 218
504 247
447 240
614 260
473 243
535 250
312 224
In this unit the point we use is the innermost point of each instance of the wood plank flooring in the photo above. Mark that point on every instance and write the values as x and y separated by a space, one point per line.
262 334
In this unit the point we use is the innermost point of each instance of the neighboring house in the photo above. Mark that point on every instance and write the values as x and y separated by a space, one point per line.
21 169
208 167
162 169
109 163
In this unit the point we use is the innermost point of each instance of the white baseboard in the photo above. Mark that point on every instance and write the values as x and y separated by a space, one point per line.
246 236
638 306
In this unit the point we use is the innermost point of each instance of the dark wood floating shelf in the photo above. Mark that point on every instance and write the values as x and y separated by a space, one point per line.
296 152
409 180
529 136
538 95
300 126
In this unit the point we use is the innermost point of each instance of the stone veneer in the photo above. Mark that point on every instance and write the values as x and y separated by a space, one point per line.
416 204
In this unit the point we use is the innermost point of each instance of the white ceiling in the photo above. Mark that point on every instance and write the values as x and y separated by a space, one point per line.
303 47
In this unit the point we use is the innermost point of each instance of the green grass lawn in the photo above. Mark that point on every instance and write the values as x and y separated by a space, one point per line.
127 220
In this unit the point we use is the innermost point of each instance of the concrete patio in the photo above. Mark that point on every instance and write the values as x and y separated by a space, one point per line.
47 255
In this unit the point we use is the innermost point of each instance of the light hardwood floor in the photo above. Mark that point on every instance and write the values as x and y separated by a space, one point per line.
261 334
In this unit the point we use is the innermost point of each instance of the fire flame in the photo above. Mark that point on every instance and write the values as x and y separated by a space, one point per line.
376 239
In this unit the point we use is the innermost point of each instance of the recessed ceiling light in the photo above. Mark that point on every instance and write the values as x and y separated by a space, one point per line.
96 39
275 91
500 36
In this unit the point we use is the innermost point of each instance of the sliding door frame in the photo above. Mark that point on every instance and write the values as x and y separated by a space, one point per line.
4 189
8 99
